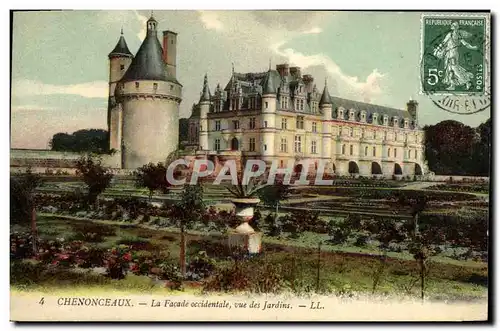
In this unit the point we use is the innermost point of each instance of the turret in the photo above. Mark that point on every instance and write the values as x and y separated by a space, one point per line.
119 61
150 99
269 84
325 105
204 109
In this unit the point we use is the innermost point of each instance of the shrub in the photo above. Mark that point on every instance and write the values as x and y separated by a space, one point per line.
200 267
117 261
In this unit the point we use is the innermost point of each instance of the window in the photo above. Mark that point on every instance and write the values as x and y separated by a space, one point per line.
217 125
122 66
385 135
301 104
171 41
155 86
300 123
395 136
351 149
363 117
395 152
171 87
286 103
366 150
298 144
267 104
313 147
265 124
351 115
283 123
386 119
341 114
374 151
265 147
236 125
252 145
351 132
395 122
136 84
283 145
252 123
343 149
388 152
217 144
406 124
375 119
314 128
416 154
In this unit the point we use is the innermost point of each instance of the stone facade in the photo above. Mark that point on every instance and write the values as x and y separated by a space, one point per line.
280 115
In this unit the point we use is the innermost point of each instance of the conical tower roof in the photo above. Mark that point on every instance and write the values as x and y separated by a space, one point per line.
325 97
268 83
205 94
121 48
148 62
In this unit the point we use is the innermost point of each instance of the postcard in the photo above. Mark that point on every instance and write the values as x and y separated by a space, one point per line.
250 165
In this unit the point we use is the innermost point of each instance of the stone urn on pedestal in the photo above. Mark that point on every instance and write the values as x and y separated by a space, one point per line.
244 237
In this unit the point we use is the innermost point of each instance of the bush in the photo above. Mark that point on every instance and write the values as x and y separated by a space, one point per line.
117 262
200 267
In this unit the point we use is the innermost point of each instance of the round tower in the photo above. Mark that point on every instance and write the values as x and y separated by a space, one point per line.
269 85
119 61
150 100
204 109
325 104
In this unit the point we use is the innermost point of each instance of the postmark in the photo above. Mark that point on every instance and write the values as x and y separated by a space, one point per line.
454 67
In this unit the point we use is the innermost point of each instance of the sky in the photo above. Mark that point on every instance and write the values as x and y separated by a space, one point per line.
60 66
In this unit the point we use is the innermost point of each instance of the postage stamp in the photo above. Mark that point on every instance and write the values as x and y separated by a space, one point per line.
454 68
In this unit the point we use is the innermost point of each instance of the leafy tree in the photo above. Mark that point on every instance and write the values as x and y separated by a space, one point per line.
89 140
453 148
152 176
272 195
183 129
187 211
95 176
22 205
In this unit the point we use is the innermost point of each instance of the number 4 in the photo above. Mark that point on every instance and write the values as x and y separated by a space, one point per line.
433 77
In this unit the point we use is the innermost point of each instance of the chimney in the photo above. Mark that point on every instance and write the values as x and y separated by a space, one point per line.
308 81
170 52
411 107
282 69
295 72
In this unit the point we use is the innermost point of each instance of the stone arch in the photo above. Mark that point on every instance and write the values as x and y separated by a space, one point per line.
397 169
376 169
235 144
353 168
418 170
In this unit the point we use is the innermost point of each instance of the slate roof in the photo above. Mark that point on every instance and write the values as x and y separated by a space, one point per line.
121 48
369 108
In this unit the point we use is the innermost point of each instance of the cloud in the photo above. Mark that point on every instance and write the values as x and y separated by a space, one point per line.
211 20
314 30
366 89
26 87
142 20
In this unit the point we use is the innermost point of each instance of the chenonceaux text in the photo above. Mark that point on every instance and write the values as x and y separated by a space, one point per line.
94 302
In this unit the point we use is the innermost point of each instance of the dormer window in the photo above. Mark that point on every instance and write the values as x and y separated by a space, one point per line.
136 84
406 123
341 113
375 118
155 86
395 122
386 120
351 115
363 116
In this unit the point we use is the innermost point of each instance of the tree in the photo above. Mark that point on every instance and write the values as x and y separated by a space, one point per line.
187 211
95 176
89 140
272 195
153 177
22 204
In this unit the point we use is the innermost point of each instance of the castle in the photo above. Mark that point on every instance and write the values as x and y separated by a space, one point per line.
144 99
280 115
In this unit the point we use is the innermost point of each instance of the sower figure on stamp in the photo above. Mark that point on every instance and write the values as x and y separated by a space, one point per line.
455 74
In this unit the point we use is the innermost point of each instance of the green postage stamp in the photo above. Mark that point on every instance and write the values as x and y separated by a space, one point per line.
455 60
